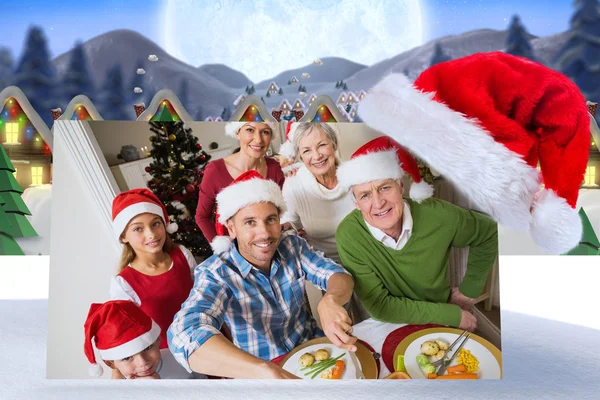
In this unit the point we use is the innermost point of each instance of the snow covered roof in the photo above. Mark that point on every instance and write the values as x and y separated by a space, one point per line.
285 105
248 101
299 104
342 98
361 95
312 98
35 119
273 87
294 79
219 119
165 94
209 119
81 100
352 98
239 99
326 101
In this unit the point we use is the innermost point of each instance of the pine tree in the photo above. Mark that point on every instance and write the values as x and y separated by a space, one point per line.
6 67
345 87
517 41
13 211
112 99
177 171
35 75
252 90
248 89
225 114
438 55
184 93
268 94
137 80
280 91
579 58
77 79
589 244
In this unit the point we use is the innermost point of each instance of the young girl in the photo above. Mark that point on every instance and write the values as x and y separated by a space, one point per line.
154 273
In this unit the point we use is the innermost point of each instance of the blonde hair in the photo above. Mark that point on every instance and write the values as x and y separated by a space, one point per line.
128 254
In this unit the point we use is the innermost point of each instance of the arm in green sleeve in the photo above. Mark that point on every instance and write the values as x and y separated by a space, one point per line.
381 305
481 234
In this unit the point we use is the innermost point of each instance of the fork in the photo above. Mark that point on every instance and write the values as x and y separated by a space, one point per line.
441 360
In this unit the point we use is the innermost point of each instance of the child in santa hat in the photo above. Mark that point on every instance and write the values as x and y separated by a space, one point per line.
126 338
154 272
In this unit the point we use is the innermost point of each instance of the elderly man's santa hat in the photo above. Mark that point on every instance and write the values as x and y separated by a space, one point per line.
134 202
119 329
248 188
484 121
379 159
232 128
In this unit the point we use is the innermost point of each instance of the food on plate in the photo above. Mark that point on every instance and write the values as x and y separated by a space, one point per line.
327 374
429 369
429 348
431 376
442 344
397 375
437 356
422 360
306 360
458 376
321 355
470 362
318 368
338 369
400 366
460 368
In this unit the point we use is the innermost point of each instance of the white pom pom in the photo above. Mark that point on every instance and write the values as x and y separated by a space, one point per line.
221 244
172 227
420 191
555 227
95 370
287 150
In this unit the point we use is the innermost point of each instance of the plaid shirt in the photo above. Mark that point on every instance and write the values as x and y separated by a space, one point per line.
267 315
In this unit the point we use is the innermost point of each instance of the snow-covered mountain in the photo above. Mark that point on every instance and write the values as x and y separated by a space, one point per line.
227 75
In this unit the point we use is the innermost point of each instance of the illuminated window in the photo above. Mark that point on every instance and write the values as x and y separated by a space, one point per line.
12 133
36 175
590 176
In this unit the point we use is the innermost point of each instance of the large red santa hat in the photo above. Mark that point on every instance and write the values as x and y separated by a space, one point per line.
248 188
119 329
484 121
379 159
134 202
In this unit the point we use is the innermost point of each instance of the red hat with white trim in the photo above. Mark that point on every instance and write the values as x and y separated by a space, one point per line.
379 159
119 329
134 202
232 128
248 188
484 121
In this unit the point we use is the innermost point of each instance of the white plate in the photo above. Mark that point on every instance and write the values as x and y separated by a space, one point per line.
488 366
292 365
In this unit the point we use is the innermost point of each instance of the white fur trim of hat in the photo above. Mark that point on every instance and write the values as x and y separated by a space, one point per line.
237 196
370 167
232 128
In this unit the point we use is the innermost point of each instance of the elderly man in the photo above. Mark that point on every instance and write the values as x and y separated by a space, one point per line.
397 249
255 285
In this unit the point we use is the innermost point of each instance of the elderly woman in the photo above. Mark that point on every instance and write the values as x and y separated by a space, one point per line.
255 139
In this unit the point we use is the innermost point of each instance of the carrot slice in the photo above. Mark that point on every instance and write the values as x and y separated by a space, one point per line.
456 368
338 368
431 376
458 376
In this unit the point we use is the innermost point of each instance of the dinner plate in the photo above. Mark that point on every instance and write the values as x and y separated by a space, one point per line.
490 358
364 356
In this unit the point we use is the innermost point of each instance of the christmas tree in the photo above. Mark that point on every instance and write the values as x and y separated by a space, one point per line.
6 67
13 223
589 244
112 102
517 41
439 56
177 171
77 79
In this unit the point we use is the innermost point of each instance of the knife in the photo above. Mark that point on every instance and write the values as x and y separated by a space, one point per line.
359 373
446 364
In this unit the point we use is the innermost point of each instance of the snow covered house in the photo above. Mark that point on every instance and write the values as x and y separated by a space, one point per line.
26 138
165 106
273 88
252 108
285 106
342 99
298 105
239 99
592 173
294 80
323 109
219 119
80 108
361 95
209 119
311 99
351 98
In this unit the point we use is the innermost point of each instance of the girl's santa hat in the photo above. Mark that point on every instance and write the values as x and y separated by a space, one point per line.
484 121
232 128
120 329
383 158
248 188
132 203
287 148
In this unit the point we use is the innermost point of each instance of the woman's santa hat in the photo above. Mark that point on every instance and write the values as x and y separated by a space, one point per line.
248 188
484 121
287 148
232 128
132 203
119 329
379 159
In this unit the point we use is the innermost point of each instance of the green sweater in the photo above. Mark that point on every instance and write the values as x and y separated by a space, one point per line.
411 285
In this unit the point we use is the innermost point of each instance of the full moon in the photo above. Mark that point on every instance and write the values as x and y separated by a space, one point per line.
262 38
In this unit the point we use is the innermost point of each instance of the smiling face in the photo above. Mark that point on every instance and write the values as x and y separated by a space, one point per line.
145 233
317 152
144 363
257 230
255 139
381 205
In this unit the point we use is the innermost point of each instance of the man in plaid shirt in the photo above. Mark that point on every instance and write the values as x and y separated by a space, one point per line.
255 286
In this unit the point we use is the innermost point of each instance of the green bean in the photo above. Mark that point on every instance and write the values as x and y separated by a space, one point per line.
321 363
324 367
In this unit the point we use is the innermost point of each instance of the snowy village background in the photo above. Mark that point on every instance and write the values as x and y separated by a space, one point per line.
123 76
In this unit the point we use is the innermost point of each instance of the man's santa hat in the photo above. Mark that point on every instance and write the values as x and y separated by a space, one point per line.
484 121
379 159
248 188
134 202
232 128
119 329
